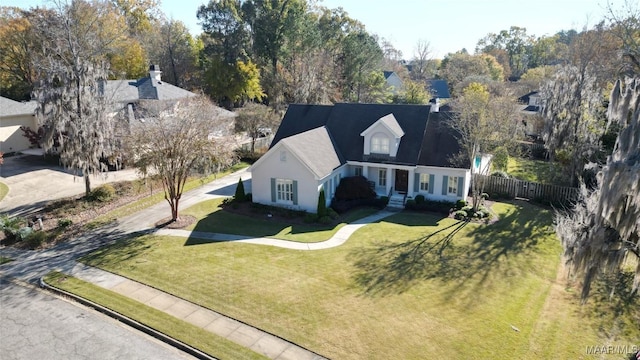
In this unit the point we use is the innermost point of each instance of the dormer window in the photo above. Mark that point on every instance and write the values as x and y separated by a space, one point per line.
379 144
383 137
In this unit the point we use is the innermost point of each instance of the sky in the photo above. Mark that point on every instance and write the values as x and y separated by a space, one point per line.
448 25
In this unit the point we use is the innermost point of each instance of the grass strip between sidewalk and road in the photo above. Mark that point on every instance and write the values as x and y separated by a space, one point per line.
189 334
4 190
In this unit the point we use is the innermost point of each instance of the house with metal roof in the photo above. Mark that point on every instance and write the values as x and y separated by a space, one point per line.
402 150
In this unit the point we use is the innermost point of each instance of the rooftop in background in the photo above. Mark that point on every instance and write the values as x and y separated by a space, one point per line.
10 107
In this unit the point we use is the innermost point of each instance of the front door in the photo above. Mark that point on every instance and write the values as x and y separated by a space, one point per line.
402 181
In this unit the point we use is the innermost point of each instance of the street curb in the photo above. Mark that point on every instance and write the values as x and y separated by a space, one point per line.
130 322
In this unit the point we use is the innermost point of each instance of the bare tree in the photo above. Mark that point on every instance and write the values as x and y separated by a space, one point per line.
256 120
483 124
174 140
72 104
420 61
604 228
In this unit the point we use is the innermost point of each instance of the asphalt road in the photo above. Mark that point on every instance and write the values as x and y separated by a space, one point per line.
37 325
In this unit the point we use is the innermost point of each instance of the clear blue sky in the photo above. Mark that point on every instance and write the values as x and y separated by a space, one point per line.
448 25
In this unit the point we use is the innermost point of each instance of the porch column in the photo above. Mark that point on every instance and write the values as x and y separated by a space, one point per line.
390 176
365 171
410 183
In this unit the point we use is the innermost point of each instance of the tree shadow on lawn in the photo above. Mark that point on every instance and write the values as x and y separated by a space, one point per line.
125 249
389 268
255 225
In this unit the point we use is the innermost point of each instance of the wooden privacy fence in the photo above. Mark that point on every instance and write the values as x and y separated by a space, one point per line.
499 187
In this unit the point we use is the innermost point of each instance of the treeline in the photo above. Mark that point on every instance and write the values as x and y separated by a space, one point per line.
295 51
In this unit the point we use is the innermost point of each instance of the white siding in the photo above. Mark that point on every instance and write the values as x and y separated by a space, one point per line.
11 139
438 178
271 166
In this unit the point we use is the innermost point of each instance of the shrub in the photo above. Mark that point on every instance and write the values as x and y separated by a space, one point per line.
10 226
322 204
36 238
460 204
332 214
484 196
501 158
441 207
460 215
102 193
500 174
248 197
383 200
354 187
240 195
63 223
325 220
310 218
419 199
24 233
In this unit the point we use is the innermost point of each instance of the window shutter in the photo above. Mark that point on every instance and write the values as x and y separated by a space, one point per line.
416 183
460 183
432 183
273 190
295 192
445 183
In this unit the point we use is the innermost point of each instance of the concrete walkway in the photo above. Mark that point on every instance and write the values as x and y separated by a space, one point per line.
245 335
339 238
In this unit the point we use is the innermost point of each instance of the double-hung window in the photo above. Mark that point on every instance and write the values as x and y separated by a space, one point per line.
284 191
453 185
382 177
379 144
424 182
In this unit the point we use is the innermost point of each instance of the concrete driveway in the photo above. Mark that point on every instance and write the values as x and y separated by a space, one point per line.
33 181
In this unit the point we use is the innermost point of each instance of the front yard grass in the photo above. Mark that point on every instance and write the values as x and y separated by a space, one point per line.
4 190
410 286
187 333
213 219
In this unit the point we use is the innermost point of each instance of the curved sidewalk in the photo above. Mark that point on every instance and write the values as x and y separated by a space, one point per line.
339 238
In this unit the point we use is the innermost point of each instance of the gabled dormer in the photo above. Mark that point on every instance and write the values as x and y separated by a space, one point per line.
383 137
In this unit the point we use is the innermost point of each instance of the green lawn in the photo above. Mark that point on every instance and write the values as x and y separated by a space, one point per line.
4 190
412 286
536 171
212 219
158 197
189 334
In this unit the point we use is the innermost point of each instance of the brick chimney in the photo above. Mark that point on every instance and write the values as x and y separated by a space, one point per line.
155 73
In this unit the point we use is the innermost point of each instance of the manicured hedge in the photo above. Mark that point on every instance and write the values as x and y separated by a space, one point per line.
442 207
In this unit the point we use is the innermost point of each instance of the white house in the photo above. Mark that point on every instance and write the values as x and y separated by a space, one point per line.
403 150
394 82
13 115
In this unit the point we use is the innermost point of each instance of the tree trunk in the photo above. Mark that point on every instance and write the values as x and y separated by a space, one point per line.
174 210
87 184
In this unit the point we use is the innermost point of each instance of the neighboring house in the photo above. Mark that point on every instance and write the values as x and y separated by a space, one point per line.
13 115
403 150
439 91
394 82
530 106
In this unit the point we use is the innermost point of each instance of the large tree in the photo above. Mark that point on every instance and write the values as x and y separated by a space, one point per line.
361 55
483 124
256 119
70 89
174 140
603 230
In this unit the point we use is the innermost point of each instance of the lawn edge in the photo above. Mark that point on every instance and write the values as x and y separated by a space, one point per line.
128 321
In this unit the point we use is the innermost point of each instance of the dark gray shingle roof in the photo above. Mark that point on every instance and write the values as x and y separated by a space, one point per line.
438 88
316 149
422 144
